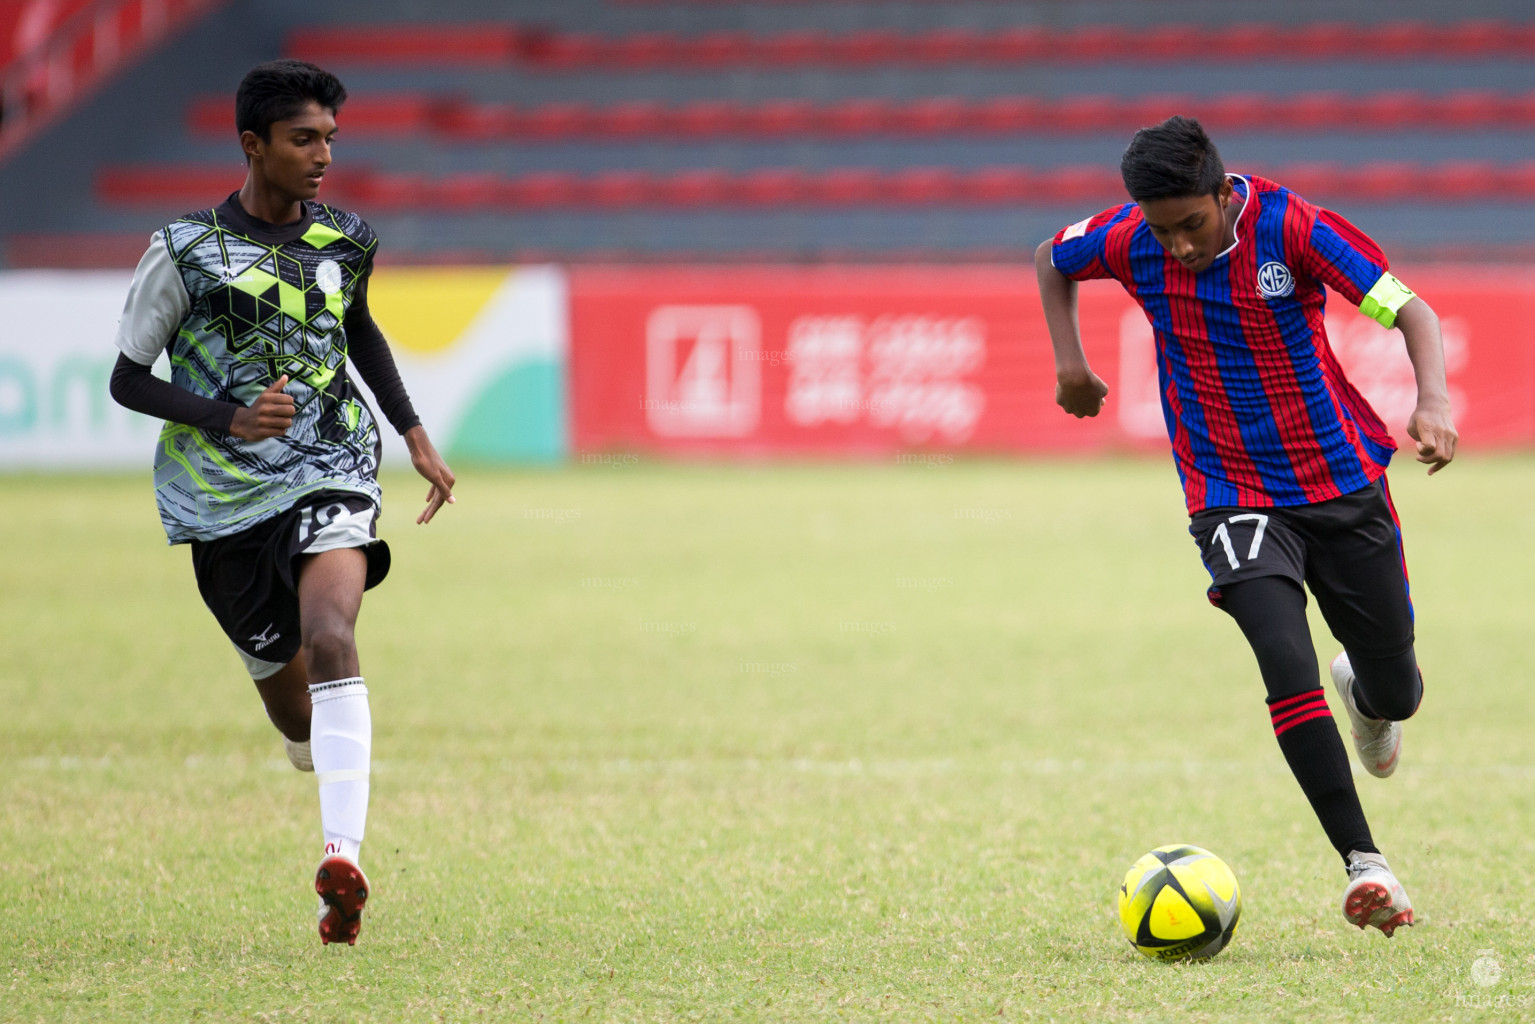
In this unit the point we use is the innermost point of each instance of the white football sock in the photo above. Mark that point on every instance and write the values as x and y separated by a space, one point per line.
341 741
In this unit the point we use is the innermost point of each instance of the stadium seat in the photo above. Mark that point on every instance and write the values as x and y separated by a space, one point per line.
619 188
695 188
845 186
705 118
541 191
782 117
921 186
633 118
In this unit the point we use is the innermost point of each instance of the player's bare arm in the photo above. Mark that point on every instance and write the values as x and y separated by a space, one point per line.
1078 390
1430 425
433 469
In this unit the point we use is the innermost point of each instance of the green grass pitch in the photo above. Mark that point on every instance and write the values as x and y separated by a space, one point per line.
779 743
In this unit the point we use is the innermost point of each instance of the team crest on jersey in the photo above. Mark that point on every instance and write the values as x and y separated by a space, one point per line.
1077 230
1275 280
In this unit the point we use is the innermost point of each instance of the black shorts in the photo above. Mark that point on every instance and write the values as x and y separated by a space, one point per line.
249 580
1347 550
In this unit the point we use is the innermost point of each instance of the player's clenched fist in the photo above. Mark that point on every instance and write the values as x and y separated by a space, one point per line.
270 415
1081 395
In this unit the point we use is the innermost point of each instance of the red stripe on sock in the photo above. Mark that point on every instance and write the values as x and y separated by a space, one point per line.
1280 705
1304 709
1279 730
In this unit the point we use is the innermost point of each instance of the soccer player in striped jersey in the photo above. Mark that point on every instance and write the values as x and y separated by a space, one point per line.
267 466
1282 460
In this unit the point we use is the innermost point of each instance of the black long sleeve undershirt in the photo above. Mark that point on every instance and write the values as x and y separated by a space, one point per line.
369 352
135 387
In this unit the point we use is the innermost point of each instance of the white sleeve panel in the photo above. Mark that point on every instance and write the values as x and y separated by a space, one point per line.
157 303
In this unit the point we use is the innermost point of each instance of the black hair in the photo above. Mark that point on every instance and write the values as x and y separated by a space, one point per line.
1172 160
279 89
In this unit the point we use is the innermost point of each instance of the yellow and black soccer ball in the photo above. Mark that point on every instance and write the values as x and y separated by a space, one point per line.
1179 903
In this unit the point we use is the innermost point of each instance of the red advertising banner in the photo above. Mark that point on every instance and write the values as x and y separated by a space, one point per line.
760 361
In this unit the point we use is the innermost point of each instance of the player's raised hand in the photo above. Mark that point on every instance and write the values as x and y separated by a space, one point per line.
1434 431
270 415
1080 394
429 464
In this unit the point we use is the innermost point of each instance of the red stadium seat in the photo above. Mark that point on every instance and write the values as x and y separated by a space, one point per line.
478 121
695 188
1008 114
1232 111
383 191
849 185
790 48
875 46
1460 180
618 188
1017 46
405 44
1316 41
1308 111
1400 39
780 117
556 121
1382 182
1174 42
166 185
715 50
937 116
563 50
1519 110
1097 43
996 185
946 46
211 115
1518 180
1468 109
540 191
480 190
643 50
1083 114
1235 43
1385 111
638 117
1152 108
705 117
377 114
921 186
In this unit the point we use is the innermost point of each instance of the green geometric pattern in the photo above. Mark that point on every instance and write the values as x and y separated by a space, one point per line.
261 309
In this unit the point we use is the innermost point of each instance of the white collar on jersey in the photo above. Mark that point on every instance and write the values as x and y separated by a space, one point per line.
1237 238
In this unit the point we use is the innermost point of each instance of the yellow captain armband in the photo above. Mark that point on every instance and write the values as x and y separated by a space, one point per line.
1382 302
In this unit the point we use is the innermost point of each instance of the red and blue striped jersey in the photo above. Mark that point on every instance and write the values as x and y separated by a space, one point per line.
1257 406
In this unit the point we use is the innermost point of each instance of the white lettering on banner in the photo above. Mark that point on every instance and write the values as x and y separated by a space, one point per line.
56 357
1374 359
701 373
1139 400
901 372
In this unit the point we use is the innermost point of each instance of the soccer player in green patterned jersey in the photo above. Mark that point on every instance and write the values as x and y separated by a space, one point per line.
267 466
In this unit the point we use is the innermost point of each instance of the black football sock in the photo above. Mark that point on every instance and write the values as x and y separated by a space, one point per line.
1271 611
1309 740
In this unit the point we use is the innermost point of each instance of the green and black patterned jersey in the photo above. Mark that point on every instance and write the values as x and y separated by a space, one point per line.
239 303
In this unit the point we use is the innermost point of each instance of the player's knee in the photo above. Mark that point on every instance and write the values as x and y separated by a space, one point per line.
1392 687
329 645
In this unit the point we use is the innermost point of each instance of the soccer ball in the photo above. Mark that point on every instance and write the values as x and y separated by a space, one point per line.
1179 903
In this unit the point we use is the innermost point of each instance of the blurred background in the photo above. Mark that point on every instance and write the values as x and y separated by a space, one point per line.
781 227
